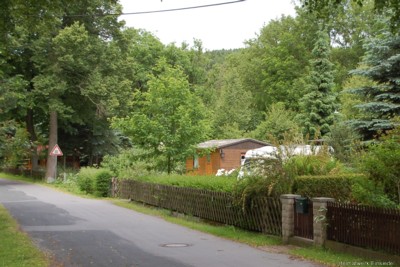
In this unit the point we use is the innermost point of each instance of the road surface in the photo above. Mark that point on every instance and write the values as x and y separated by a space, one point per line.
88 232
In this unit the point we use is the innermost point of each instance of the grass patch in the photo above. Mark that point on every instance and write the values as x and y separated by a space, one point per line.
16 248
18 178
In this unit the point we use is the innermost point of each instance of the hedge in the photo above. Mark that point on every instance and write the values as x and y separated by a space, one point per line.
337 186
213 183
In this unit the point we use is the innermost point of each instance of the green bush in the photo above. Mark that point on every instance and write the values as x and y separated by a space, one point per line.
94 181
102 182
130 163
86 178
267 179
320 164
215 183
366 192
381 163
338 187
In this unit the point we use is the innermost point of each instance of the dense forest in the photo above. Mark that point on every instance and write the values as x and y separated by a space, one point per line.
72 74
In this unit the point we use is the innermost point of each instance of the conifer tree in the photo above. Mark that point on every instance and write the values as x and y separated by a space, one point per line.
319 103
381 64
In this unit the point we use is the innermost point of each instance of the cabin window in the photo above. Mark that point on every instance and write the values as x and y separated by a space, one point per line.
195 162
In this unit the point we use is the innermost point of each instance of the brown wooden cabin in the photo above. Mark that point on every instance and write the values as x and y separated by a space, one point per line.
222 154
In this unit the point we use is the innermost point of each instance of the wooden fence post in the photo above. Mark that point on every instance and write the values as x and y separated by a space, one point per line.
320 223
114 186
287 201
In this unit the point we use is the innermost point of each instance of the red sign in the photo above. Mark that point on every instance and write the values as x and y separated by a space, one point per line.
56 151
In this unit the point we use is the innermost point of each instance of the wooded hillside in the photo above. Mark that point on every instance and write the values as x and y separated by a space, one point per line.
97 88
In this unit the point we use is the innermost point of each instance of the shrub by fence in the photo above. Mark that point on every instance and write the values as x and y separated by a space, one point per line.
263 215
338 187
364 226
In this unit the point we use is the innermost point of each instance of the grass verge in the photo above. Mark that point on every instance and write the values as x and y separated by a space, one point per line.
18 178
16 248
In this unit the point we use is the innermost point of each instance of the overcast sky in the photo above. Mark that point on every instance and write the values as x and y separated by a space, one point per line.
218 27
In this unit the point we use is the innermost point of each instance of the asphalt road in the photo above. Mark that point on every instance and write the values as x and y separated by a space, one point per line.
87 232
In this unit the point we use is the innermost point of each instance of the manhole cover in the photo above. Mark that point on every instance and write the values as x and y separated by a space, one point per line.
175 245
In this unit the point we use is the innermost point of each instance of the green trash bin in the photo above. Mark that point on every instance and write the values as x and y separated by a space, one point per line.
301 205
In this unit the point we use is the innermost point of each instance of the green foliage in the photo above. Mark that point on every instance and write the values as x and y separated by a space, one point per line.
130 163
215 183
350 101
365 191
232 111
337 186
171 120
94 181
381 99
86 179
68 179
16 247
321 163
278 122
344 141
14 145
382 164
328 8
267 179
64 63
102 183
318 105
274 63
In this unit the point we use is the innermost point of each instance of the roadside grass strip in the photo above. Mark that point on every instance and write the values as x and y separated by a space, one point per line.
16 248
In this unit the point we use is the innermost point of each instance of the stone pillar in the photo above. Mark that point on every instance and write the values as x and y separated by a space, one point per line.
320 223
287 216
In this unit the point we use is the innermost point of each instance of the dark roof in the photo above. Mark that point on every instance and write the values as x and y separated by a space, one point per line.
228 142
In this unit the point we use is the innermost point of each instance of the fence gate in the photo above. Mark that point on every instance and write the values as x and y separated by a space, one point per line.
303 218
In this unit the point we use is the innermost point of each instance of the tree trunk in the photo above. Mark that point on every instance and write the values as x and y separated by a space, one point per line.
51 166
33 138
169 163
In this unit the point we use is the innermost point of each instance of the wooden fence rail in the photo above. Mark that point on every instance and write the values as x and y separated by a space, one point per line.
262 215
364 226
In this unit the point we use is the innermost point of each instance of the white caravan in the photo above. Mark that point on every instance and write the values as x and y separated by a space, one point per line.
259 155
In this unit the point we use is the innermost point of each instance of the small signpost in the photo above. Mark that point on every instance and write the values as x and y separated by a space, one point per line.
56 151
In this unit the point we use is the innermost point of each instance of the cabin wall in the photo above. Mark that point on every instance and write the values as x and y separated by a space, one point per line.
227 158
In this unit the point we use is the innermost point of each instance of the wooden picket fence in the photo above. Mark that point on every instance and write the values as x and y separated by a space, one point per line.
364 226
262 214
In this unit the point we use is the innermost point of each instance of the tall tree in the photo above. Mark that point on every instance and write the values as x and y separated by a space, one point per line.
278 122
49 47
381 64
233 106
326 8
171 119
319 104
274 63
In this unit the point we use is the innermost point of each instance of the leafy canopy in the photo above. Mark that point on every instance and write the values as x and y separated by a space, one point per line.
170 120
